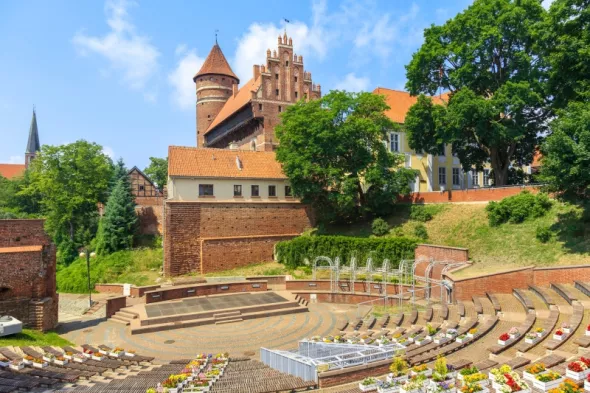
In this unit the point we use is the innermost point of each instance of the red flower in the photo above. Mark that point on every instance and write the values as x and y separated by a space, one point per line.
576 367
585 360
504 337
559 332
588 327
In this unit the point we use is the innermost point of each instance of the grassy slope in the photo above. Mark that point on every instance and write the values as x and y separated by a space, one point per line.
35 338
494 248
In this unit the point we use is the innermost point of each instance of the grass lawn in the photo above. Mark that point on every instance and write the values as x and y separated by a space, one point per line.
262 269
34 337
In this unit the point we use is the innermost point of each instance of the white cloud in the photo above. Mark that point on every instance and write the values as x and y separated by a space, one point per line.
353 83
108 151
181 78
308 40
16 160
126 50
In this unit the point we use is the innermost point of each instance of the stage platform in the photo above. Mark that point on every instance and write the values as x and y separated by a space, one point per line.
209 310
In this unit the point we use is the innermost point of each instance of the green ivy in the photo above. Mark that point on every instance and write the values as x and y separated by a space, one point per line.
292 253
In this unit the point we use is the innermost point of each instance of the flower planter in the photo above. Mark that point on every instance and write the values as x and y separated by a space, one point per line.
61 362
3 364
578 376
391 389
48 359
586 385
462 340
587 332
130 354
427 373
514 336
402 390
69 357
115 354
540 334
104 352
450 335
503 343
470 335
79 360
566 330
40 365
531 340
98 358
545 386
16 367
367 388
441 340
437 386
174 390
559 337
391 379
425 340
530 377
87 355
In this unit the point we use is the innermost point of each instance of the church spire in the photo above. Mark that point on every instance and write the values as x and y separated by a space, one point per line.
33 145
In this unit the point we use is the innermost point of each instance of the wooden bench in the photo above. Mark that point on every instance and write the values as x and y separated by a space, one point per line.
396 320
543 294
460 364
413 317
583 341
383 321
548 325
477 304
563 292
444 312
575 321
518 362
428 313
582 287
341 326
495 302
551 361
523 299
460 309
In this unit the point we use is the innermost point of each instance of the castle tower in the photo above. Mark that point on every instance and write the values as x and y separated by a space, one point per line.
33 145
215 83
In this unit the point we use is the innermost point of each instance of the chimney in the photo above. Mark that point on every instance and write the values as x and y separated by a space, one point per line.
234 89
256 71
239 163
233 146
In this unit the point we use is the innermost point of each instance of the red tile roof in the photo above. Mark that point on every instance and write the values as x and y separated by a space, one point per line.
6 250
215 63
401 101
223 163
11 170
234 103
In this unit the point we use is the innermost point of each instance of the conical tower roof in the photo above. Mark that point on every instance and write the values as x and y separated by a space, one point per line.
216 63
33 145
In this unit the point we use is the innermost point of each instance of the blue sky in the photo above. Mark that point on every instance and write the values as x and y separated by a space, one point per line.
119 72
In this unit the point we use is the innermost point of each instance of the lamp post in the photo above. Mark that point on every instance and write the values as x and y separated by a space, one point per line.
86 253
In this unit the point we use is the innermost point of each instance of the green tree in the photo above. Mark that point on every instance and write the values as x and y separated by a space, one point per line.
566 153
119 172
118 226
486 58
333 152
71 180
566 36
157 170
15 202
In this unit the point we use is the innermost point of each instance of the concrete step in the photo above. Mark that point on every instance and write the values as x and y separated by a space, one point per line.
228 321
126 314
117 319
227 314
129 311
226 318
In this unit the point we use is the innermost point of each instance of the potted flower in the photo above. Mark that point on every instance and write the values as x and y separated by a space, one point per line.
383 341
60 360
587 330
497 375
117 352
531 338
48 357
413 385
442 380
201 385
39 363
503 339
531 371
16 365
87 353
79 357
389 387
28 360
474 388
578 370
513 332
568 386
97 356
463 338
467 371
368 384
430 330
559 335
548 380
566 327
422 370
476 379
398 370
539 331
68 355
471 332
514 384
587 383
422 340
171 385
130 353
440 338
451 333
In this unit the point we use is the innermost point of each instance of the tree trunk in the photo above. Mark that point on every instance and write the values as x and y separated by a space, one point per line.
71 231
500 165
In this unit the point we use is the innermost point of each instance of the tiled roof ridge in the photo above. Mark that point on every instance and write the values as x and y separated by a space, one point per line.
216 63
218 149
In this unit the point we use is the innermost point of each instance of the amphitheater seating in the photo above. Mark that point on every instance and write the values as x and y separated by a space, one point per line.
413 317
460 309
543 294
477 304
548 325
564 293
444 312
523 329
575 321
583 287
428 313
495 302
397 319
523 298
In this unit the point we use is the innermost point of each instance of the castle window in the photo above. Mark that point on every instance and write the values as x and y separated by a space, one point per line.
238 190
475 177
277 92
295 79
272 191
287 63
296 94
277 76
205 189
259 107
255 191
280 109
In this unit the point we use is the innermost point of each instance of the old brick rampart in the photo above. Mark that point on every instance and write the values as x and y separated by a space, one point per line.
469 195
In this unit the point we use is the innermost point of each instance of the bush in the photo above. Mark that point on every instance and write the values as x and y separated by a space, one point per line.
543 234
420 213
293 252
397 231
380 227
517 208
420 232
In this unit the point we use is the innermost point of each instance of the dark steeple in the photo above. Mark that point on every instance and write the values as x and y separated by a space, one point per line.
33 145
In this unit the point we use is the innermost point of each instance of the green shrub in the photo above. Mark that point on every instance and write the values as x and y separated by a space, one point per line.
380 227
420 232
420 213
397 231
292 253
543 234
517 208
275 271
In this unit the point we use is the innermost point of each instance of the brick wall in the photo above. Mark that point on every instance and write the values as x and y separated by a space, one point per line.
317 286
140 291
352 374
470 195
150 212
271 280
188 223
115 289
219 254
441 253
27 274
204 290
114 304
561 275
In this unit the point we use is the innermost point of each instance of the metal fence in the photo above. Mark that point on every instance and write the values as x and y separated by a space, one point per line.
289 363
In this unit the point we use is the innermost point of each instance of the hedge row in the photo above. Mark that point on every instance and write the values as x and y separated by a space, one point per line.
293 253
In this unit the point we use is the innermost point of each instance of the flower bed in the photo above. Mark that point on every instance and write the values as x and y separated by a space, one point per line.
559 335
389 387
531 338
368 384
423 340
463 338
422 370
413 385
16 365
471 332
476 378
505 339
467 371
531 372
539 331
451 333
566 327
474 389
578 370
513 332
441 339
547 381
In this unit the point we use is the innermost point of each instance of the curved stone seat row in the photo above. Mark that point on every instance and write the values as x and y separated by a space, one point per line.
543 294
575 321
564 292
548 325
523 299
523 329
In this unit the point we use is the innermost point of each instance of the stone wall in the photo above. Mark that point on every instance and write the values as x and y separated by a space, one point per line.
27 279
469 195
150 212
209 236
114 304
185 291
352 374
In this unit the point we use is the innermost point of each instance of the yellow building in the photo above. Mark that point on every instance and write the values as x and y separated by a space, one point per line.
436 172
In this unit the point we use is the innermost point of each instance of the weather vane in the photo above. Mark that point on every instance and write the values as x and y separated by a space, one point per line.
216 31
287 21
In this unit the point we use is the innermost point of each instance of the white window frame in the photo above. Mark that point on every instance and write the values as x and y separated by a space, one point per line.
486 177
442 174
474 178
456 173
398 140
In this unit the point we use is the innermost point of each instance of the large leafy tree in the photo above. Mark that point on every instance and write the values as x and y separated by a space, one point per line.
566 153
71 180
118 226
157 170
486 59
333 152
567 46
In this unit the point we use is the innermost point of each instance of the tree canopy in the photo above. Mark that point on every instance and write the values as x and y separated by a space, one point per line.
487 61
334 153
157 170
